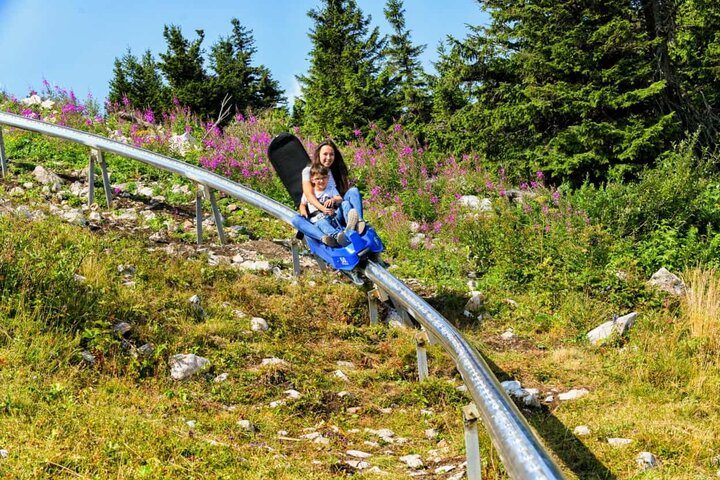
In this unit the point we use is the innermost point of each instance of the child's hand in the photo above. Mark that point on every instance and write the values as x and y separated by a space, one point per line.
329 203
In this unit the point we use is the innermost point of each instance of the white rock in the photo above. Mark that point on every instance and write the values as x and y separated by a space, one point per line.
344 364
183 366
32 100
258 324
573 394
293 393
512 387
3 453
191 423
358 454
619 442
444 469
221 378
357 464
605 330
256 266
412 461
431 433
667 282
475 203
248 425
273 361
341 375
647 460
582 431
311 435
276 403
508 335
475 303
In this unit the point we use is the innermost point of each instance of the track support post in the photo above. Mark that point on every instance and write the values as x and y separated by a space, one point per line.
210 195
421 341
198 213
3 158
91 178
100 158
295 250
472 444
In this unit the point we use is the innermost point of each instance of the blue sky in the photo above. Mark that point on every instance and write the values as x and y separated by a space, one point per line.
73 43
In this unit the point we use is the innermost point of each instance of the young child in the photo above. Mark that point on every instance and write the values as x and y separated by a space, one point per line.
328 196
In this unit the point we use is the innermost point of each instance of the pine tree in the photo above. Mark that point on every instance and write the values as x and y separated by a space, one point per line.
138 81
566 86
245 84
182 66
345 87
406 72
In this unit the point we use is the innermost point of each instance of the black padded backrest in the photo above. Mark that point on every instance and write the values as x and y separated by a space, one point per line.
288 157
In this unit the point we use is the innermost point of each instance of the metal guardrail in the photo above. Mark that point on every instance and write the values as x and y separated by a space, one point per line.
522 453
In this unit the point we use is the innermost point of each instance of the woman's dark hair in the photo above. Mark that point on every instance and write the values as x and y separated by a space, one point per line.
338 168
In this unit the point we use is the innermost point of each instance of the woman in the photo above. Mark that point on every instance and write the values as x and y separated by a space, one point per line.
328 155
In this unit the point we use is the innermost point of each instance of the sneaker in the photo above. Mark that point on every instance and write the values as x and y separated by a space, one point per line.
342 240
352 220
361 225
330 241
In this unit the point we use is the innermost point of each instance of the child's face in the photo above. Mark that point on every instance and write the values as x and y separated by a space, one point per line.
320 181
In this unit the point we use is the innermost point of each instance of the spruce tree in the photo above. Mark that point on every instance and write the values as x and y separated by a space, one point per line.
406 73
236 77
345 87
139 81
565 86
182 66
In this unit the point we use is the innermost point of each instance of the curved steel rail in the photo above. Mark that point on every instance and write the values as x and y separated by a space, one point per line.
522 453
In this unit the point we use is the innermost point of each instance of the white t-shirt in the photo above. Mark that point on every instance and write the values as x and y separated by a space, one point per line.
322 196
305 175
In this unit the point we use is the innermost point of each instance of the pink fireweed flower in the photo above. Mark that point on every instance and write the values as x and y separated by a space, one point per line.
374 192
149 116
556 196
539 174
489 185
502 192
397 128
406 151
533 184
125 101
545 209
357 132
523 186
434 200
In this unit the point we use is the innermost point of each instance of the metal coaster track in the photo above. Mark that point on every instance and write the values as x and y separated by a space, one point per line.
523 455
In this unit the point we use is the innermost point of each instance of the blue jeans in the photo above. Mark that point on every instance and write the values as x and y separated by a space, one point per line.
329 225
351 199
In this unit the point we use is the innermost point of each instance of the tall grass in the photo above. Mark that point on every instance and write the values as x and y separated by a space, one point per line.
701 306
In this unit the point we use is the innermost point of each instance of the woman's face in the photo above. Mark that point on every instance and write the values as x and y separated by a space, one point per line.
327 155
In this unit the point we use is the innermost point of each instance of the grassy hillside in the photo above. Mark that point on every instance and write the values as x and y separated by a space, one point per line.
83 400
